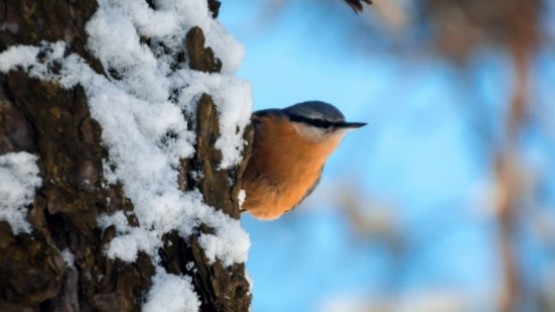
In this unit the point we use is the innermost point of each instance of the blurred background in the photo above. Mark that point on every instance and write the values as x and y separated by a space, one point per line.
446 200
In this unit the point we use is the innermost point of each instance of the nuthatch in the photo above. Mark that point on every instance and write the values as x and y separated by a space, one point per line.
289 150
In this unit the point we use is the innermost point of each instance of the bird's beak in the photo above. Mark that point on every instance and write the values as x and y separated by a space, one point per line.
351 125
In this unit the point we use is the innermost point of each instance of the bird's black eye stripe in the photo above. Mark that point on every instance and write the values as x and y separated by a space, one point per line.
319 123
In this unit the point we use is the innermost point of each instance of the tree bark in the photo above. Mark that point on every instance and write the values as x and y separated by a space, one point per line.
55 124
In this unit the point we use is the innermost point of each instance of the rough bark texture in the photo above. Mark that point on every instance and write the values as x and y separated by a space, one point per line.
55 124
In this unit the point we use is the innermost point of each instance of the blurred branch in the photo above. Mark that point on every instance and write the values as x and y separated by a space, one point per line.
507 196
392 13
356 5
369 219
464 25
521 42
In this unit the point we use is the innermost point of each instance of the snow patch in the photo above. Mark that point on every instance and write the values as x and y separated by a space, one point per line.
19 178
196 13
231 96
29 59
241 197
171 293
69 259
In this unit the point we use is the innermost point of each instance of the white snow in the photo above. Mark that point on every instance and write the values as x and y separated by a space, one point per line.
141 112
18 181
171 293
22 56
25 58
241 197
230 95
130 240
69 259
196 13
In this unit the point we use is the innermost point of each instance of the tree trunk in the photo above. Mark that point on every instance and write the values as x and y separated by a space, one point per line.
55 124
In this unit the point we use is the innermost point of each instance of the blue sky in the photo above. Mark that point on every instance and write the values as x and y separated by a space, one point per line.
421 153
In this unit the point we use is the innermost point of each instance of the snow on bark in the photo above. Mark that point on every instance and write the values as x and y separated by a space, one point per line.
140 103
18 181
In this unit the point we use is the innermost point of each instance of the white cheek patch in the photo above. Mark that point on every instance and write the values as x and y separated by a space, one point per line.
312 133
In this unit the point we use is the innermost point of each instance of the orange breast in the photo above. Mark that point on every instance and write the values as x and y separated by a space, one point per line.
283 167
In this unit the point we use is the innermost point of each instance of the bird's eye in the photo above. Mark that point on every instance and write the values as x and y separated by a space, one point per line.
320 123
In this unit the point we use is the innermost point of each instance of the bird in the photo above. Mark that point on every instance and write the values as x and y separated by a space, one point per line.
289 151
